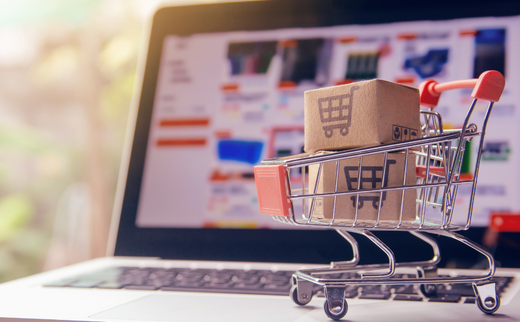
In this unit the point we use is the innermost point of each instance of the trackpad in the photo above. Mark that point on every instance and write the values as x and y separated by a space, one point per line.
200 307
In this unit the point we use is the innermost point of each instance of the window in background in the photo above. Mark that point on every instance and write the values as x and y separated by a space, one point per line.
67 71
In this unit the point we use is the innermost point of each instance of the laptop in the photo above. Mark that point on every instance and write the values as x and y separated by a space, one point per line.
221 89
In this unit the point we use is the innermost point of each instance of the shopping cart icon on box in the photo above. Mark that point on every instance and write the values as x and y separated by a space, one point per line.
368 175
336 111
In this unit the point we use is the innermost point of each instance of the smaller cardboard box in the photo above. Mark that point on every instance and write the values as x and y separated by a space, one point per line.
371 178
361 114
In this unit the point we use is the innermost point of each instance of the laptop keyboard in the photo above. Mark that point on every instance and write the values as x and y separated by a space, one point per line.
184 279
257 282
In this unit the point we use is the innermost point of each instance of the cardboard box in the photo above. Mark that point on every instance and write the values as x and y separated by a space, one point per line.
361 114
372 173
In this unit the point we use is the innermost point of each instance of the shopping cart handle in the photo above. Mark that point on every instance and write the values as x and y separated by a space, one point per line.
420 171
489 86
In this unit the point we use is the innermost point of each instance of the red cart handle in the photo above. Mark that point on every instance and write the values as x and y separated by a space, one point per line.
420 171
489 86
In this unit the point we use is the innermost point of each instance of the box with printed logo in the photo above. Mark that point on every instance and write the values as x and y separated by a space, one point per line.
373 171
361 114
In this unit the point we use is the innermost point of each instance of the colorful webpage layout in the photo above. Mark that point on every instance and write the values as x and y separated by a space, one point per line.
226 101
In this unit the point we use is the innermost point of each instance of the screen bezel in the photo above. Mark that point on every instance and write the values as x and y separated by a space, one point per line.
257 245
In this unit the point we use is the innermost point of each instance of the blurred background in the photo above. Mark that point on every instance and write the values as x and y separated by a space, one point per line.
67 71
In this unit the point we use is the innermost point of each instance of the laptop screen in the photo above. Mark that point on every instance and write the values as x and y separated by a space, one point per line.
218 98
225 101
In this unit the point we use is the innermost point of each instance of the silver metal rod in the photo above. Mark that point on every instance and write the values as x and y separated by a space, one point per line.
335 190
355 250
391 147
477 164
289 192
311 210
447 166
404 184
433 157
458 156
435 247
389 281
383 181
473 245
424 191
385 249
453 190
429 203
345 193
303 190
360 171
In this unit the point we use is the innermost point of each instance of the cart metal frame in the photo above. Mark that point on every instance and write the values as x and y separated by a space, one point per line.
438 155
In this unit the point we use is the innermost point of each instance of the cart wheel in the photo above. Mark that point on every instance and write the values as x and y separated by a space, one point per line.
489 305
336 313
293 293
343 131
428 290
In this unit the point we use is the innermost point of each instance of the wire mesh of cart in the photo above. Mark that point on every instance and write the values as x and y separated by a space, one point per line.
408 186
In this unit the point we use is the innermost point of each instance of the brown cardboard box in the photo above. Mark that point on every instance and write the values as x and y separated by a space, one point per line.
360 114
372 174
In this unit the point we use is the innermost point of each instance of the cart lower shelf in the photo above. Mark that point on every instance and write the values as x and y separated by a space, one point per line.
485 295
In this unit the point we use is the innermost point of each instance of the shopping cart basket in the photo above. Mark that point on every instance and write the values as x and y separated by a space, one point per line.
437 157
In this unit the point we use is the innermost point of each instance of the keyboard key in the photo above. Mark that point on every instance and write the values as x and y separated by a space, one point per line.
470 300
217 278
189 277
406 297
446 298
351 294
271 278
197 284
110 285
376 296
85 283
134 280
502 282
217 285
279 288
456 289
350 275
372 289
61 283
405 289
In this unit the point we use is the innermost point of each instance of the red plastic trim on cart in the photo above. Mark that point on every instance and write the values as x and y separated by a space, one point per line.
420 171
271 189
489 86
505 222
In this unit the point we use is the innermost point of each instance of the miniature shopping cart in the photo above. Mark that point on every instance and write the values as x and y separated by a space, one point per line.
436 158
336 112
